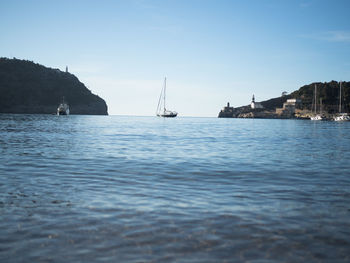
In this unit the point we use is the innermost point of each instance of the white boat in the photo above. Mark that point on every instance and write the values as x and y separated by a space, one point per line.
341 116
316 117
161 109
63 108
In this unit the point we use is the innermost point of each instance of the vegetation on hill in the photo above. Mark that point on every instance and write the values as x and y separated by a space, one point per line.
27 87
327 92
274 103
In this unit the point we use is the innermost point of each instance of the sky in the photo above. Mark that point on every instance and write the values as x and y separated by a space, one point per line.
211 51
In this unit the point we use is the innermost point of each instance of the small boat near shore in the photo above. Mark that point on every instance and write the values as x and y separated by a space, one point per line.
317 117
63 108
342 117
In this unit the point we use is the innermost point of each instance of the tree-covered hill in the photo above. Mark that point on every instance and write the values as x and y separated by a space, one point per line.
328 93
274 103
27 87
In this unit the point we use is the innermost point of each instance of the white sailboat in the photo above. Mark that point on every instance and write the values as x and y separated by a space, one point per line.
316 117
341 116
161 109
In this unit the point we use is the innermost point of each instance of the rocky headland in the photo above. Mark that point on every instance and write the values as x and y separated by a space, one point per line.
27 87
298 104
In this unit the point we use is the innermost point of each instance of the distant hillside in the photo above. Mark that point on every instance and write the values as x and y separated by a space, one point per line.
26 87
328 92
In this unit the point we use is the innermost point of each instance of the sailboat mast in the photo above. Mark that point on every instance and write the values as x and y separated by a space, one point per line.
315 99
340 98
164 93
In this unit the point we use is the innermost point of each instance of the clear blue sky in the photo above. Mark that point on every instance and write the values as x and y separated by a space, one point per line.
212 51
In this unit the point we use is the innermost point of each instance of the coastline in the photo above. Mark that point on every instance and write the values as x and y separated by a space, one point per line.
256 114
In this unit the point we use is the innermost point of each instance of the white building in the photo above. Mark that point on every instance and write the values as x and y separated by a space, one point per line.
289 107
255 105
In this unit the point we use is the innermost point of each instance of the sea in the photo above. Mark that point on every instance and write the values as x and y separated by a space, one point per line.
148 189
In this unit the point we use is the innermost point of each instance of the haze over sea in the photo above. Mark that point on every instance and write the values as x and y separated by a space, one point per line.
147 189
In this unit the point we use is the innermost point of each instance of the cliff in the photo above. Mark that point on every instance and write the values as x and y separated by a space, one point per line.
327 93
26 87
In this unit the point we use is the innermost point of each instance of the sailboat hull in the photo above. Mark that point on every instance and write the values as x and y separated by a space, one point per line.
342 117
168 115
316 118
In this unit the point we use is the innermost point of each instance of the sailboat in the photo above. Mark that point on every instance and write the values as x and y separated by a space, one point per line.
341 116
316 117
161 109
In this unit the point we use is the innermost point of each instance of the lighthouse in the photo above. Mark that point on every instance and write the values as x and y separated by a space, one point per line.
255 105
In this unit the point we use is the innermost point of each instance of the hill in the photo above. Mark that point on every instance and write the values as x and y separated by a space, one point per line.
328 92
27 87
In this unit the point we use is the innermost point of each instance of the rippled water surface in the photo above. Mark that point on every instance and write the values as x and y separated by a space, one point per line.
146 189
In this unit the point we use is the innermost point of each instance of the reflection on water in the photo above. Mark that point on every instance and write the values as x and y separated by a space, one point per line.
140 189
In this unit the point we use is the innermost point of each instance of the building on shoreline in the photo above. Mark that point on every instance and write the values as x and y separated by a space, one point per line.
227 108
227 111
256 105
289 107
